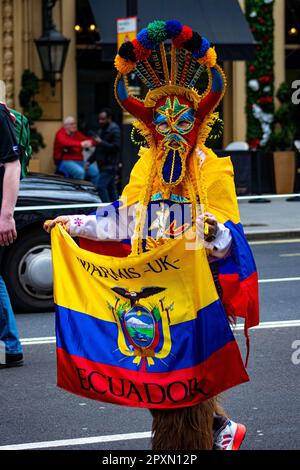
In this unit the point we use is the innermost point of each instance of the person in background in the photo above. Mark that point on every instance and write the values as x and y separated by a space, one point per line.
107 155
68 149
10 170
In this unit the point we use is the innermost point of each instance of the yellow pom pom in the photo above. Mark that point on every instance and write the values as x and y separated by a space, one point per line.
122 65
210 58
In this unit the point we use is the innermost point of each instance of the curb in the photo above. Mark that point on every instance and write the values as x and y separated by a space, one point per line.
273 234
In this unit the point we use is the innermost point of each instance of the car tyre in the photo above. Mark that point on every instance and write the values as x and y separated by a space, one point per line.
31 252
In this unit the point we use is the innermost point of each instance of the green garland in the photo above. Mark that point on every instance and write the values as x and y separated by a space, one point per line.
260 75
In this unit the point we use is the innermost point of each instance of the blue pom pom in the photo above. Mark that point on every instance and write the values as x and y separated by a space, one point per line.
173 28
203 49
144 39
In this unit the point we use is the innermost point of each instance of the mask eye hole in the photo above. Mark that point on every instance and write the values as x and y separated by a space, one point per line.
163 127
183 124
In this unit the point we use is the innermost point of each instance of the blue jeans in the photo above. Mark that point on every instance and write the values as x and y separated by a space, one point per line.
75 169
8 327
107 188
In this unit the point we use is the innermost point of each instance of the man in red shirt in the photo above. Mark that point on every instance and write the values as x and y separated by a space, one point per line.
67 153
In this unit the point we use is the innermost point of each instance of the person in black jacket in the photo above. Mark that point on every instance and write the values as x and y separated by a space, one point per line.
107 154
11 353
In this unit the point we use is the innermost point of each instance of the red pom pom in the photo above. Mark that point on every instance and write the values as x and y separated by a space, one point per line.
184 36
252 68
140 52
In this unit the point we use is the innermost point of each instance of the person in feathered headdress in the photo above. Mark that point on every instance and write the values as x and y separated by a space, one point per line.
184 86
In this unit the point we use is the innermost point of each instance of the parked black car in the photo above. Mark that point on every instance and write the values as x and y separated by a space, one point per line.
26 265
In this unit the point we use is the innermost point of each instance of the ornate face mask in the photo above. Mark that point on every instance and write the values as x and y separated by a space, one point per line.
174 118
175 132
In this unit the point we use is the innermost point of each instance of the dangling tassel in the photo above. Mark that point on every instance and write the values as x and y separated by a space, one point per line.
141 213
189 428
193 199
198 179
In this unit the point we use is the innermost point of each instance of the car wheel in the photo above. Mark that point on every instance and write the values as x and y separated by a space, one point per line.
27 269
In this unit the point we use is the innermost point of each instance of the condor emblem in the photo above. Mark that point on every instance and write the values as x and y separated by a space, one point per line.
144 331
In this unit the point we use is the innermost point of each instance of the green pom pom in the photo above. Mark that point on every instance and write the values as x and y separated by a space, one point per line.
156 31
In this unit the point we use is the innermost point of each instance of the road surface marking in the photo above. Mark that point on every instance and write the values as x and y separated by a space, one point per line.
269 242
262 326
266 196
270 324
279 279
42 340
290 254
77 442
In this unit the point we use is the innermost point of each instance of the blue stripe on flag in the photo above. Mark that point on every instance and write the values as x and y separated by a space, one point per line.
193 341
241 260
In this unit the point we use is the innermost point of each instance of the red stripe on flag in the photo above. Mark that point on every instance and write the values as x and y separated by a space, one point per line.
176 389
240 298
108 248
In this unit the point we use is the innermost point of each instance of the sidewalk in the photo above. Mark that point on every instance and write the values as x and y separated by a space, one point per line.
277 219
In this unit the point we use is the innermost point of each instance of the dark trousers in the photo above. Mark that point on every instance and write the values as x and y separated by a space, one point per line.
107 188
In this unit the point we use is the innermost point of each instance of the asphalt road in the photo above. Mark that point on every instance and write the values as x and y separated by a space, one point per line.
34 410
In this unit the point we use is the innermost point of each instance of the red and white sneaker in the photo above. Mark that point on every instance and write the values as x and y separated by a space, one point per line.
230 436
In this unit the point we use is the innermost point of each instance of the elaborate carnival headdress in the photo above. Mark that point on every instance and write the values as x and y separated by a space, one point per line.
184 86
190 56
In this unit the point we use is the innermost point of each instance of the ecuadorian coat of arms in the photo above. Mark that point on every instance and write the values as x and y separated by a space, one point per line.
143 326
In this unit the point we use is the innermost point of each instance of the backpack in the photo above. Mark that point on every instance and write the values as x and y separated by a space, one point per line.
23 136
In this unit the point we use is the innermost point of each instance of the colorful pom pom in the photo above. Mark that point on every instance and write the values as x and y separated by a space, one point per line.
144 39
123 65
156 31
126 51
210 58
140 52
184 36
205 45
173 28
194 43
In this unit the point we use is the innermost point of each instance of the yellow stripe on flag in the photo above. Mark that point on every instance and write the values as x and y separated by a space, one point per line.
83 280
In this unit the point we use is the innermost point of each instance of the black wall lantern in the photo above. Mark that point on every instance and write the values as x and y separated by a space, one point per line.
52 46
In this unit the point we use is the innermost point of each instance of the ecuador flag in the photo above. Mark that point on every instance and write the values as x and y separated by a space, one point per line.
136 332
